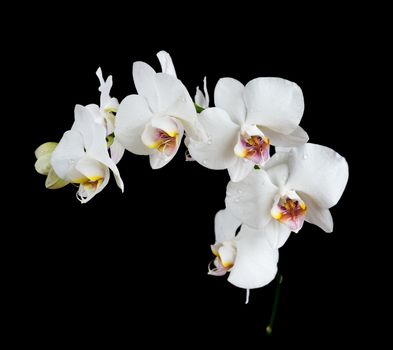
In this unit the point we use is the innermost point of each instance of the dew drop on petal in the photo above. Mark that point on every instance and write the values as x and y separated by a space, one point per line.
204 162
237 200
239 191
305 156
209 141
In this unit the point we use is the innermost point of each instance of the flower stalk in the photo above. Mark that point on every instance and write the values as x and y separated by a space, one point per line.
279 280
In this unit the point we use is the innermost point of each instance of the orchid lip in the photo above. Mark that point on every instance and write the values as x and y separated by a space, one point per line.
255 148
162 134
92 184
222 266
290 210
165 141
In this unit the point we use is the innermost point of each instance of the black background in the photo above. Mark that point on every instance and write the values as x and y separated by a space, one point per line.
130 267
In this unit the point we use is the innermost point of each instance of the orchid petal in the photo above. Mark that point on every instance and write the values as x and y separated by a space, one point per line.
252 130
131 118
67 153
228 95
240 169
227 253
276 233
277 169
251 200
317 215
256 262
217 152
91 168
117 151
296 138
53 182
169 125
166 63
84 121
99 151
207 98
45 148
319 172
105 88
96 113
145 83
43 164
175 101
225 225
274 103
201 99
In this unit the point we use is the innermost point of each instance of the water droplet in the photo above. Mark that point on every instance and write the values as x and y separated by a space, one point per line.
305 156
239 191
204 161
237 200
183 99
209 141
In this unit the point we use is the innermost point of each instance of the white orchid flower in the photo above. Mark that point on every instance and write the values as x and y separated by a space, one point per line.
247 256
82 157
246 121
202 99
295 186
44 167
201 103
104 114
153 122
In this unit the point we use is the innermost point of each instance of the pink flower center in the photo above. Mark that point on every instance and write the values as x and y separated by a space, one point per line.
290 212
255 148
165 142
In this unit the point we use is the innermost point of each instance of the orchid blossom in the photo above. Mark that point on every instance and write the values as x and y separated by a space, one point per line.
82 158
267 197
248 257
153 122
295 186
104 114
245 121
202 99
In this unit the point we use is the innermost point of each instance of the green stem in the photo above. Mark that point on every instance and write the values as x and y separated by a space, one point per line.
269 328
